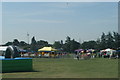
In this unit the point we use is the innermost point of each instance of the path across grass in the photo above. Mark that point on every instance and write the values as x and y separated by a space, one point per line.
69 68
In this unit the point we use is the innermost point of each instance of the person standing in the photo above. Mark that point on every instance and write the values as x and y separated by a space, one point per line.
77 57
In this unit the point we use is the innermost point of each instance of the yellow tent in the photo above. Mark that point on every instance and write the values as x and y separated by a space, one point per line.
47 49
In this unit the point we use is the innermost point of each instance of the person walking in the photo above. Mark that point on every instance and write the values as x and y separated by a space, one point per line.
77 57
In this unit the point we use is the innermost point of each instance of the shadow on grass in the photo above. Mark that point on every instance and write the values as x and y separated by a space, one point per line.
21 71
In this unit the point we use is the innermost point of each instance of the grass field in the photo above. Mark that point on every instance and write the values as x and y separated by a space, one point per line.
69 68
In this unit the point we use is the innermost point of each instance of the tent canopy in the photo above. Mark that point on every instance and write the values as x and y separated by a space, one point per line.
108 50
78 50
47 49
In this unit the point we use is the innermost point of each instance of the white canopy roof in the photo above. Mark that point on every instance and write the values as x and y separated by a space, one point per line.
108 50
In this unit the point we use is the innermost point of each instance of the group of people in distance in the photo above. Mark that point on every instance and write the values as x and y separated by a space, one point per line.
85 54
106 53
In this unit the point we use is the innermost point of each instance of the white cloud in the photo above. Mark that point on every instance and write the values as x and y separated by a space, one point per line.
45 12
44 21
26 21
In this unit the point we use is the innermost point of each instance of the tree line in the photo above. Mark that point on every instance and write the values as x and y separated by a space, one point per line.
109 40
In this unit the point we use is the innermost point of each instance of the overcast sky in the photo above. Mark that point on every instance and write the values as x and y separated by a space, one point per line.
52 21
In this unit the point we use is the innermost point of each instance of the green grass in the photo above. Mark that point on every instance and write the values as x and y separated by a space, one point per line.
69 68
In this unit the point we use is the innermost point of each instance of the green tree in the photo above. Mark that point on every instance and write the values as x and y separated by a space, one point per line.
74 45
97 46
57 45
42 43
66 46
116 37
22 43
70 45
68 39
103 43
8 43
61 42
16 42
89 45
109 42
33 44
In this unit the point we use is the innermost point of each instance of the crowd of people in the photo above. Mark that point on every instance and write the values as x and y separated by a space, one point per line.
78 54
82 54
87 54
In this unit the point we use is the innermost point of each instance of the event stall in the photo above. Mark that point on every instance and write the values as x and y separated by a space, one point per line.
85 53
108 53
47 52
